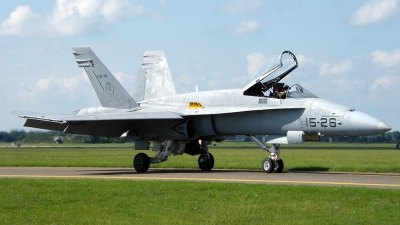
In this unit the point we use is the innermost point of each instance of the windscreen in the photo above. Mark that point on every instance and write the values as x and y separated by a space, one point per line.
297 91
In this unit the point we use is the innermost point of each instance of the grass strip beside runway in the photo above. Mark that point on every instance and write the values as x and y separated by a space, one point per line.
86 201
381 158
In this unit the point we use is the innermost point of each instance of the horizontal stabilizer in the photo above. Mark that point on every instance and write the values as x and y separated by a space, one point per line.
47 125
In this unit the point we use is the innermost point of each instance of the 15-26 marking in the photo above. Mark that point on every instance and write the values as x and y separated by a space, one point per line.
324 122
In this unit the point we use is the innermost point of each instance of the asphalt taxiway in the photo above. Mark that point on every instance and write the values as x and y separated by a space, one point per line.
375 180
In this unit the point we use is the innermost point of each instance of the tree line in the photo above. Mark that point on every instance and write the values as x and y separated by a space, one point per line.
48 137
389 137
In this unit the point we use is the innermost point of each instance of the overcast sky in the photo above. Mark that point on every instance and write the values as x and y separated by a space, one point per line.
348 51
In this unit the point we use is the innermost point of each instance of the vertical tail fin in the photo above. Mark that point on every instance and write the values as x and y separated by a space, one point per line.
109 91
154 79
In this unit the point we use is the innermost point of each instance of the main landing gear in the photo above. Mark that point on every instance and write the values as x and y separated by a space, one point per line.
273 163
206 159
142 161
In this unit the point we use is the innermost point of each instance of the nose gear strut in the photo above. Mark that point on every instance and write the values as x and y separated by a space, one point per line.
273 163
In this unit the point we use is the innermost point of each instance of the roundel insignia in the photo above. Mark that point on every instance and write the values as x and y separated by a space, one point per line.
109 88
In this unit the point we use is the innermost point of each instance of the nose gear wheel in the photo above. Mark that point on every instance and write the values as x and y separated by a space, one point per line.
268 165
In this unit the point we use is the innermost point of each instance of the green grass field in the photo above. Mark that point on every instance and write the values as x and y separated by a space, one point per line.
381 158
92 201
86 201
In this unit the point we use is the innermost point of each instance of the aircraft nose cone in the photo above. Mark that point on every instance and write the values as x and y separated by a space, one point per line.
383 127
361 124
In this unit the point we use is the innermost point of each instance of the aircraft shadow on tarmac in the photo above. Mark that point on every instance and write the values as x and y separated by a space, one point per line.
111 172
309 169
305 170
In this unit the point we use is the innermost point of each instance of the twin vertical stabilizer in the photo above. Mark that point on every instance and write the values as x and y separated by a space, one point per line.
109 91
154 79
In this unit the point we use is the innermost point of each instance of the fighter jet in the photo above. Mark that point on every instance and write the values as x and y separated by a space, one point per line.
187 123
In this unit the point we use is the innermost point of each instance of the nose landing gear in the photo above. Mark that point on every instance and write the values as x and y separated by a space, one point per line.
269 165
273 163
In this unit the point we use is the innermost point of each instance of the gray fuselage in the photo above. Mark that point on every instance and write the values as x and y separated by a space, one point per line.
229 112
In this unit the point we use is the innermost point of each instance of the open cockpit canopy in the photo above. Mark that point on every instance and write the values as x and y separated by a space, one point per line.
278 68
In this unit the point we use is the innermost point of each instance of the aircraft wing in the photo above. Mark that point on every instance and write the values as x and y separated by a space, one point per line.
64 118
144 114
112 125
116 124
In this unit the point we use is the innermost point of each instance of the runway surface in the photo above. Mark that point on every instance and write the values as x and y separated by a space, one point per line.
217 175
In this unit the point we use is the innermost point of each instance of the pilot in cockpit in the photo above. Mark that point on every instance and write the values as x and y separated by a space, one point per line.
283 93
280 90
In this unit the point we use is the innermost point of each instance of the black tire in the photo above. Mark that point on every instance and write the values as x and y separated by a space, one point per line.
141 162
268 165
279 166
206 164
